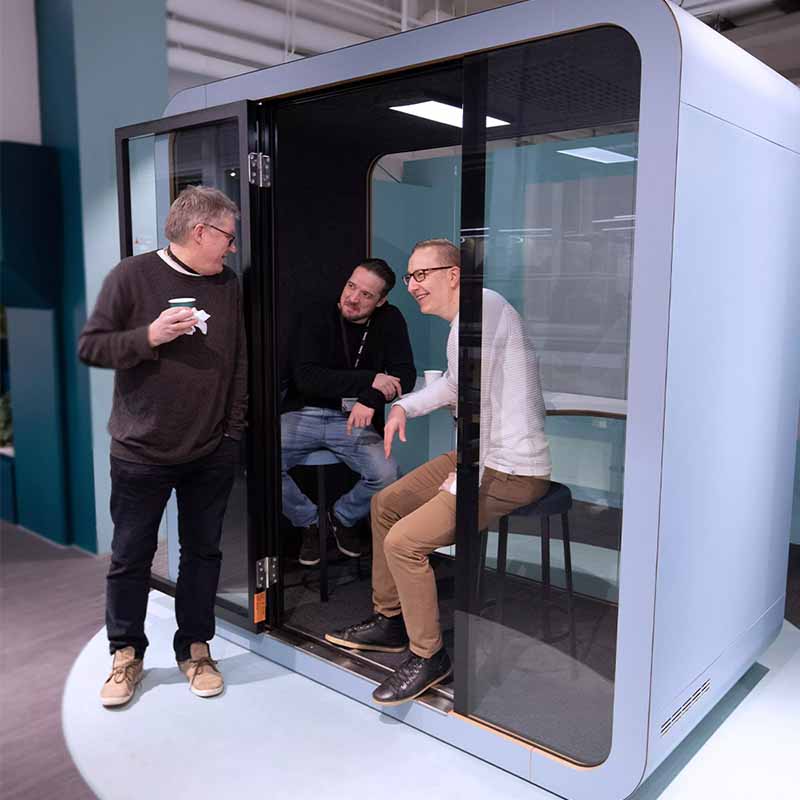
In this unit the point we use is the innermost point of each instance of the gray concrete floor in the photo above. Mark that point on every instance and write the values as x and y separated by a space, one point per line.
52 604
53 601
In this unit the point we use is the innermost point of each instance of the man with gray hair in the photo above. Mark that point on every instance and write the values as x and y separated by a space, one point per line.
180 399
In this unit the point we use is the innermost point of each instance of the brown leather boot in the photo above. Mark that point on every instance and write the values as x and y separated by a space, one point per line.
205 680
126 672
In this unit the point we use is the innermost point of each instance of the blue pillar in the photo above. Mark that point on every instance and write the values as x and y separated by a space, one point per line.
102 64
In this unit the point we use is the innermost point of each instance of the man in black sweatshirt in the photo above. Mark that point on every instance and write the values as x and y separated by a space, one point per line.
180 399
351 359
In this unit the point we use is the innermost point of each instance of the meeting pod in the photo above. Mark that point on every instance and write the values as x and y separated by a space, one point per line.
626 178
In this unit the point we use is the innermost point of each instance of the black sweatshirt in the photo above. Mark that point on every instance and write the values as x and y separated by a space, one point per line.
172 404
321 371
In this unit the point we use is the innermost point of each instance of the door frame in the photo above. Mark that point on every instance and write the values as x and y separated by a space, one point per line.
255 247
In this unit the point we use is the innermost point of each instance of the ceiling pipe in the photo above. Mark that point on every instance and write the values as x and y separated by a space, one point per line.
179 58
339 14
725 6
785 30
433 16
374 11
267 23
383 16
224 44
388 13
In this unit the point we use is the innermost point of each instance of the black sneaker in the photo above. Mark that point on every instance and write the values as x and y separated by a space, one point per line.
309 547
385 634
347 539
413 677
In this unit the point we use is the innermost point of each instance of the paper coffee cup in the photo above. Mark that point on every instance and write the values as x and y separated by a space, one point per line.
182 302
431 375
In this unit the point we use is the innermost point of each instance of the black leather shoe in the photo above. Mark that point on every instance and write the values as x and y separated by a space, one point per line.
347 539
413 677
384 634
309 547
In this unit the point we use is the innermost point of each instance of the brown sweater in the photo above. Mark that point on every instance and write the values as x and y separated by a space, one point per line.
172 404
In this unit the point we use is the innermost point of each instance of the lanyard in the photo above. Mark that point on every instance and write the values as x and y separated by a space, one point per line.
360 347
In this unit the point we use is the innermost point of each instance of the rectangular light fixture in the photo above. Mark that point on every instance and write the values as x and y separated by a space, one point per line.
597 154
443 112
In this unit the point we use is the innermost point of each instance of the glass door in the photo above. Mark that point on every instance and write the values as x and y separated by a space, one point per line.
227 148
548 225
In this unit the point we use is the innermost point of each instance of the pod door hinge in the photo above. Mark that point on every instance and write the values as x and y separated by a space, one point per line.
260 170
266 573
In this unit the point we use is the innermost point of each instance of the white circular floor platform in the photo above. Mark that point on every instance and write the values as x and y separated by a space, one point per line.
276 734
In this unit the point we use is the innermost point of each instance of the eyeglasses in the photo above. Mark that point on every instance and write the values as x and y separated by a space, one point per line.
419 275
231 236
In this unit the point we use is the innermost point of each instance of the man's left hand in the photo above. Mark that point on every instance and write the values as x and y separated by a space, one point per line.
448 482
360 417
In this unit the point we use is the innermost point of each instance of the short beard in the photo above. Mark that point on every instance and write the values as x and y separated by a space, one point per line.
363 318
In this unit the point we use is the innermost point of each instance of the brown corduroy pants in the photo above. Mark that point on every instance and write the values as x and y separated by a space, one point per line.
410 519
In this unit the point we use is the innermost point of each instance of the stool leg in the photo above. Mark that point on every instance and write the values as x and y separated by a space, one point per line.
546 556
545 576
499 634
322 512
567 555
568 574
502 558
480 581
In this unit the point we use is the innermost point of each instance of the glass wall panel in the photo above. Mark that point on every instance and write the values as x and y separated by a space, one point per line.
416 196
160 167
354 178
556 244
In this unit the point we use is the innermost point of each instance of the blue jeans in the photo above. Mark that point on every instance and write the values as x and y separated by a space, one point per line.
310 429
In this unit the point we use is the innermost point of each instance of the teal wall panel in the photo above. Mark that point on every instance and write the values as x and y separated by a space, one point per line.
38 441
102 65
58 96
121 75
403 214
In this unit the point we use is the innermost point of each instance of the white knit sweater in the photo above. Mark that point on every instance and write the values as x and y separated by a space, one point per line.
512 438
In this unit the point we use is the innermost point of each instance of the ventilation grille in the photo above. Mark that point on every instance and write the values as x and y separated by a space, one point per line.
685 707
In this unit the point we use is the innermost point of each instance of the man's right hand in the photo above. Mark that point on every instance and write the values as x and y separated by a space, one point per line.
395 423
170 324
387 385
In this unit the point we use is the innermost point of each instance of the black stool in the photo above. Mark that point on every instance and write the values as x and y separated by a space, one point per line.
557 501
320 459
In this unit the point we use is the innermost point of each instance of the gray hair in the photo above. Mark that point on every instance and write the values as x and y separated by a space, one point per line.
194 205
446 249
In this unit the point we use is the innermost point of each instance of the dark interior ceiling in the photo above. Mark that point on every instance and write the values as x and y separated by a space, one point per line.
327 142
585 79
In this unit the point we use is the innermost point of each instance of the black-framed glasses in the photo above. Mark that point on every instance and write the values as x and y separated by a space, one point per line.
419 275
231 236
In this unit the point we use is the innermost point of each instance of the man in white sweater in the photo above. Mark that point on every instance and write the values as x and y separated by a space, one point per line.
416 515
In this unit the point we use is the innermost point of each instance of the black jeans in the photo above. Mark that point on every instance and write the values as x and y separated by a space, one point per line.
139 494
